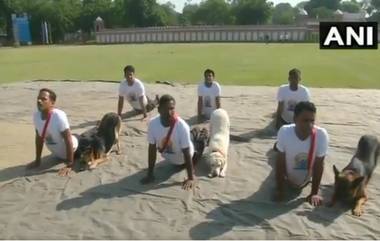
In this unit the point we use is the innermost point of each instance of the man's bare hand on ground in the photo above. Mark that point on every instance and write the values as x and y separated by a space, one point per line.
188 184
314 200
65 171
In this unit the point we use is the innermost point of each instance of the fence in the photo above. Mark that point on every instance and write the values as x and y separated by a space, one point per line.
205 34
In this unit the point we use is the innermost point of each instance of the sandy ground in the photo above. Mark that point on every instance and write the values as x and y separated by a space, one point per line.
109 202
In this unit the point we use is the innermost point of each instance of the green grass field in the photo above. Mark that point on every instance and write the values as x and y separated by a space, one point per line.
234 64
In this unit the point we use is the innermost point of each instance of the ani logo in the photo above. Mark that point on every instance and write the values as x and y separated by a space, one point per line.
348 35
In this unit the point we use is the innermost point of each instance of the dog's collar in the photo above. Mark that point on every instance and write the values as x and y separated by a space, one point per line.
220 151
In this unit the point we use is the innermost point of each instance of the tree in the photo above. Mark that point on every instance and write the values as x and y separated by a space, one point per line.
375 11
171 17
350 6
330 4
251 11
2 24
283 13
61 14
6 9
322 13
321 7
376 4
301 4
375 17
143 13
188 16
116 20
3 16
91 9
213 12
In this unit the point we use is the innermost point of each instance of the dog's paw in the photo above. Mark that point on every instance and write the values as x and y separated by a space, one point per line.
92 166
357 212
211 175
223 172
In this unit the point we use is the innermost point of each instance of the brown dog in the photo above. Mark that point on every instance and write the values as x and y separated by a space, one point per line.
351 183
96 147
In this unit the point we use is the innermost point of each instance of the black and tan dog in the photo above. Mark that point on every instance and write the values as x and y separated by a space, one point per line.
94 148
351 183
200 138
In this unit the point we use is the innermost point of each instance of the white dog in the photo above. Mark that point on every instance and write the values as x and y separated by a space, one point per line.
217 150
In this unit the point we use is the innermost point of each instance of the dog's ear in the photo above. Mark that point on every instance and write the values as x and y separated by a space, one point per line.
194 133
336 171
357 182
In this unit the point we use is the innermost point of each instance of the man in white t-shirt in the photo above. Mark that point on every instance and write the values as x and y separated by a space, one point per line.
288 96
294 143
132 90
178 148
56 134
209 92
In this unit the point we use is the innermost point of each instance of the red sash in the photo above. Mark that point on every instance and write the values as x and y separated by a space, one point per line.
43 135
167 138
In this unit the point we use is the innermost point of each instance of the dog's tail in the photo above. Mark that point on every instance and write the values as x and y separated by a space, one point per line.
367 146
109 120
152 103
109 129
377 153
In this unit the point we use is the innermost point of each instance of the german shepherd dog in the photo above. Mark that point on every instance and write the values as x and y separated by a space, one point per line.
351 183
200 139
94 148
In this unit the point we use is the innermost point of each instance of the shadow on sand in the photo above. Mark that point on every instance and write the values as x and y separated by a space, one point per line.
255 210
47 163
125 187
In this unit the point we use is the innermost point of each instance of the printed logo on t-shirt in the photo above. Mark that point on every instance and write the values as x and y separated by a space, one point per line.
49 140
132 97
291 105
169 148
207 101
300 162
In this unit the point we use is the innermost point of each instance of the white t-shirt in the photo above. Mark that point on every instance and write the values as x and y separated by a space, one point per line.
208 95
296 151
133 93
290 99
53 138
180 139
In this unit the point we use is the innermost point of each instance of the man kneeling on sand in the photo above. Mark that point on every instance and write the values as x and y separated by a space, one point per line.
288 96
133 90
52 128
209 92
302 148
170 135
